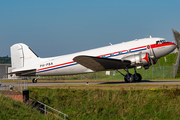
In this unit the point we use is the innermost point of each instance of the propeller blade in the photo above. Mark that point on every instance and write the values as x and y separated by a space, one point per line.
159 65
165 58
153 54
155 60
176 35
152 64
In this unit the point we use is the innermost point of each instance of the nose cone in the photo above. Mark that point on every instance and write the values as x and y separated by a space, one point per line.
163 51
173 46
170 48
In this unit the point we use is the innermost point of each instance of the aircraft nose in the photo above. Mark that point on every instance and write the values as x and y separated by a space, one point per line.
173 47
168 49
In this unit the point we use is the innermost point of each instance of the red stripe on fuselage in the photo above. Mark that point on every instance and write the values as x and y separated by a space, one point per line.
138 48
161 45
56 65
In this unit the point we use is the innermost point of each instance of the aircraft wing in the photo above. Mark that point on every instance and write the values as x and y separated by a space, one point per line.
100 64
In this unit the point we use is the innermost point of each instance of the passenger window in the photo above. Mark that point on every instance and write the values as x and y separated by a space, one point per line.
120 53
111 54
129 51
103 56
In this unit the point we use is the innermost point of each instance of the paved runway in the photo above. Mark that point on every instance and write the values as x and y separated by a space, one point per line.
39 83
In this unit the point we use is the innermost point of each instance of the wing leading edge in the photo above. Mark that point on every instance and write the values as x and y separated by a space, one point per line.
101 64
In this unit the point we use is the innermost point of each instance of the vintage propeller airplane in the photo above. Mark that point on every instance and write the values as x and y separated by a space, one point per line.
133 54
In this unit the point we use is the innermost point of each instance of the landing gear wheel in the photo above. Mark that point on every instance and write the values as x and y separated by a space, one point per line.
34 80
137 77
129 79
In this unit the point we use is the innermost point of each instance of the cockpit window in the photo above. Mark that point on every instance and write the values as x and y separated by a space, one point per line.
163 41
157 42
160 42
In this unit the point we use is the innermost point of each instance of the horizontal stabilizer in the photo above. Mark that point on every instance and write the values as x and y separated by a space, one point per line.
24 72
100 64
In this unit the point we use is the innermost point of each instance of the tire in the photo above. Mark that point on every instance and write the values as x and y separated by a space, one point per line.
34 80
129 80
137 78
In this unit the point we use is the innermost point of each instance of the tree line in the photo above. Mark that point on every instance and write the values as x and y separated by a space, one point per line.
5 60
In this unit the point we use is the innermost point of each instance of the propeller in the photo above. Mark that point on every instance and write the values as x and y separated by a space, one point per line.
152 63
156 60
177 41
159 65
176 35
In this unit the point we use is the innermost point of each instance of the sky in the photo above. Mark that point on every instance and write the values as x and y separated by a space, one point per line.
57 27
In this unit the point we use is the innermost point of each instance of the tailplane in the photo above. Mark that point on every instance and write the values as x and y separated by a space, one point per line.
22 57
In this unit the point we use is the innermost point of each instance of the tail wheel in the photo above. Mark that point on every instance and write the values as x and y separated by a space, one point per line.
34 80
137 77
129 79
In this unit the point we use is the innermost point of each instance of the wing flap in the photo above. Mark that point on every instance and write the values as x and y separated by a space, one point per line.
100 64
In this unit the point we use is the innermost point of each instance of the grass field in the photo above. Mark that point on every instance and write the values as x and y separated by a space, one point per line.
120 104
151 102
100 102
15 110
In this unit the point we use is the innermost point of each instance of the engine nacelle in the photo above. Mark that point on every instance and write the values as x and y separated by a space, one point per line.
140 59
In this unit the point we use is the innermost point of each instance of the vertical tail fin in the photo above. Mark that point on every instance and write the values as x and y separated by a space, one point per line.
22 57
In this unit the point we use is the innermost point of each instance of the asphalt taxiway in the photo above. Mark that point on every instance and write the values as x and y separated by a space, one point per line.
39 83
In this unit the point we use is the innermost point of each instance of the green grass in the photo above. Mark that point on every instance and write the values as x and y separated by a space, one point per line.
11 109
15 110
178 73
170 60
98 104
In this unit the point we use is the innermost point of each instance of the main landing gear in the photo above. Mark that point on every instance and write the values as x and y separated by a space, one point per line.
129 78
